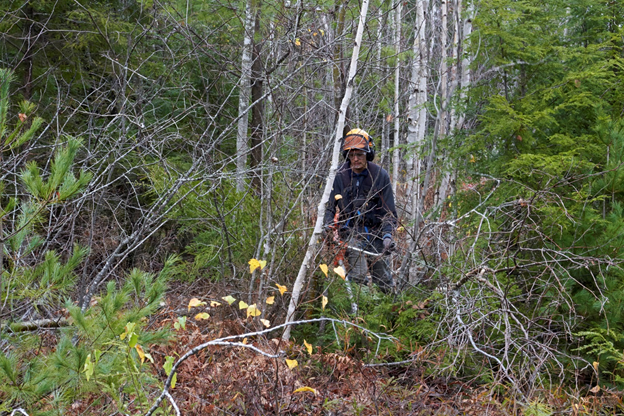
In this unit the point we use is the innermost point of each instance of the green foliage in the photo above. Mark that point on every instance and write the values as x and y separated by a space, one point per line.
603 347
103 352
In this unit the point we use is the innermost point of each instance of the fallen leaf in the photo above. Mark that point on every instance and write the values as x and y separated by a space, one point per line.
242 305
201 316
265 322
324 302
195 302
308 346
302 389
270 300
324 269
297 42
595 389
229 299
340 271
338 197
214 304
596 364
181 323
291 363
282 289
22 117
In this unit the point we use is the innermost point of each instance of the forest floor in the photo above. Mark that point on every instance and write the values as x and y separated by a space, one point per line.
235 380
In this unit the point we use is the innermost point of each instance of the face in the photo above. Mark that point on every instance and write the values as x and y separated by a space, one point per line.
358 160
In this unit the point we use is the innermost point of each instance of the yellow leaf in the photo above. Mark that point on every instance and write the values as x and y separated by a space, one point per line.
297 42
195 302
322 31
174 379
140 351
308 346
242 305
338 197
472 159
270 300
281 288
214 304
201 316
324 269
245 341
229 299
253 265
302 389
596 364
595 389
252 310
265 322
324 301
291 363
340 271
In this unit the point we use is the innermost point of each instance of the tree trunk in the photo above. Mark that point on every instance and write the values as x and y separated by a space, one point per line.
417 114
396 154
257 112
305 265
242 146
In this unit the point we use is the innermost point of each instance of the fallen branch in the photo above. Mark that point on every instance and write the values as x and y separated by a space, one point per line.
35 325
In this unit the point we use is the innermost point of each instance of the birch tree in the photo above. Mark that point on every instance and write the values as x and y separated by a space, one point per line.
244 93
396 154
417 112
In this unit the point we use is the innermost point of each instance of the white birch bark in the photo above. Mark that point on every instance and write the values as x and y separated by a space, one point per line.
465 78
306 264
457 119
396 154
244 88
417 113
443 113
449 175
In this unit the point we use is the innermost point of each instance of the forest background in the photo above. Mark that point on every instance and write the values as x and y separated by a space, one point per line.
163 164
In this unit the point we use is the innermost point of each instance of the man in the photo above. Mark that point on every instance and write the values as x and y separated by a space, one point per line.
367 218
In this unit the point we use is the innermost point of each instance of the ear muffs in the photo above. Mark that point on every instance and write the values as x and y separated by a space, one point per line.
369 148
371 152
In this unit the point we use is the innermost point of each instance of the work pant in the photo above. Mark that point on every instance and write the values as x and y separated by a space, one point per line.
360 263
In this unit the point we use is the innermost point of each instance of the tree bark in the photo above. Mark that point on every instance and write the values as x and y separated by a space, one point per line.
396 154
257 112
417 114
242 145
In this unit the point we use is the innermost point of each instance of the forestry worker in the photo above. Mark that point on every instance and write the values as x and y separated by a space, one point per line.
367 217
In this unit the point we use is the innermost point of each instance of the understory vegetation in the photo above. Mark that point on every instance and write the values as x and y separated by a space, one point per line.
162 165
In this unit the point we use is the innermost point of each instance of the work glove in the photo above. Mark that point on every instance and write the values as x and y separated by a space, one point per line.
388 245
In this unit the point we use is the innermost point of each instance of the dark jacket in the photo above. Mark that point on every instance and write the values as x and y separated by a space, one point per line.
367 201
